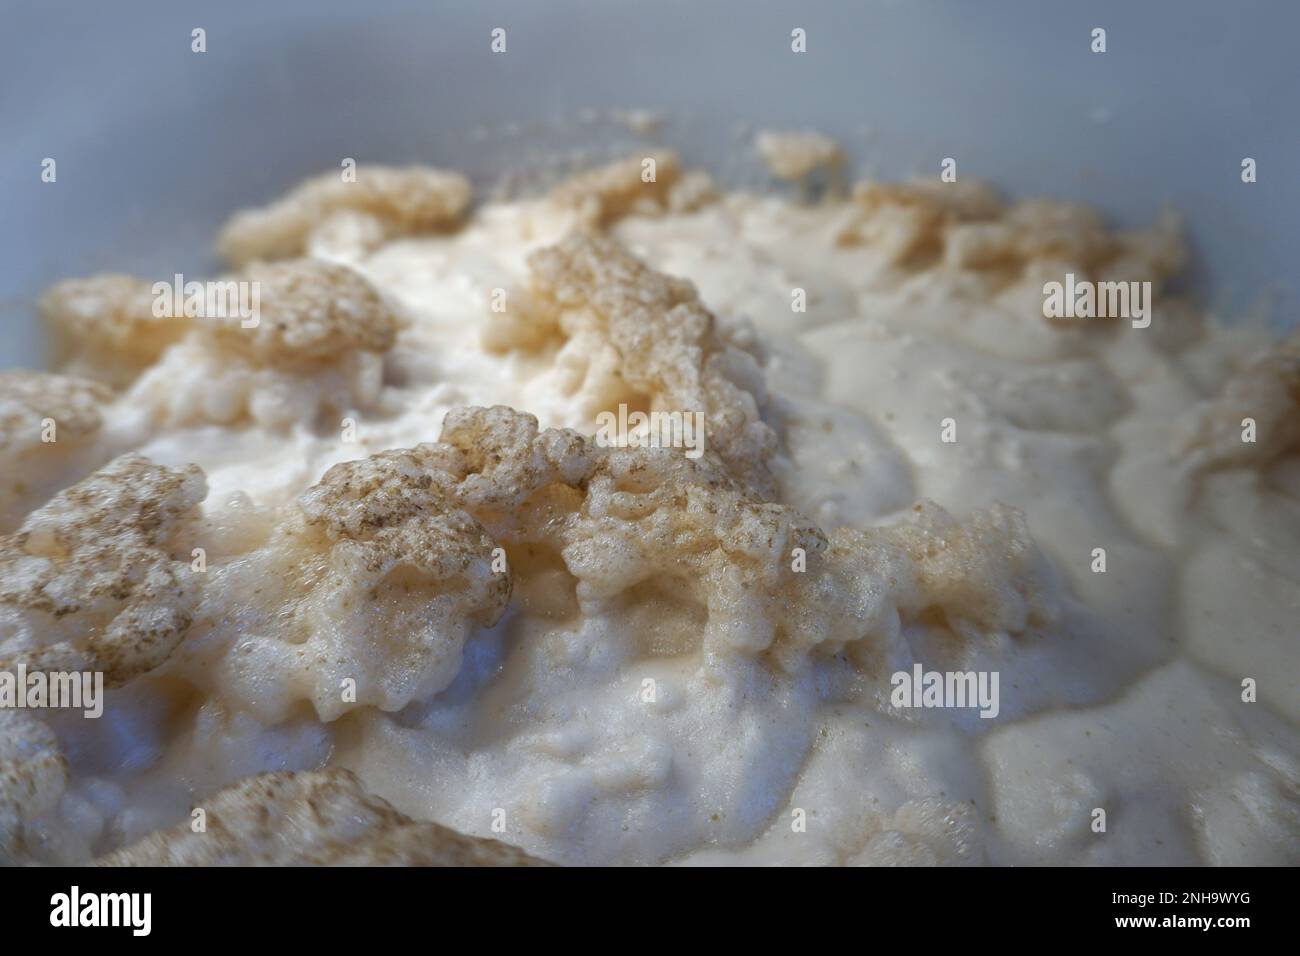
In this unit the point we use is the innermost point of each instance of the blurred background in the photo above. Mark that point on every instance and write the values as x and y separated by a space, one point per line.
155 144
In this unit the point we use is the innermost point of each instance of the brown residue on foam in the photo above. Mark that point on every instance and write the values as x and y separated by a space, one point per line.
382 203
796 156
90 579
28 398
636 336
963 225
33 774
316 818
603 195
1266 390
311 311
104 327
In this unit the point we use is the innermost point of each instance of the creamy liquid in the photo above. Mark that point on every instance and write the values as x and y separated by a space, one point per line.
1132 703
